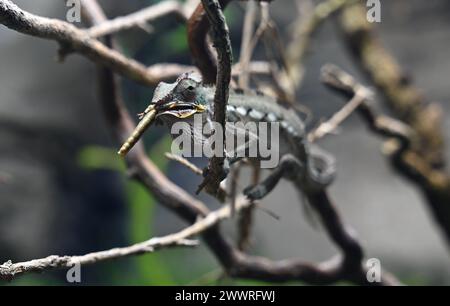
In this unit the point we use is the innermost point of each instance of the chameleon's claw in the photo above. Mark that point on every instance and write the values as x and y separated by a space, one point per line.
141 115
255 192
223 175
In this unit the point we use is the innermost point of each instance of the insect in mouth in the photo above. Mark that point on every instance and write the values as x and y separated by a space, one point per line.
179 99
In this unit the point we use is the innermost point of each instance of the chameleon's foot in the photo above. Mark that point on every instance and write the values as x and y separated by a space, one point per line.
141 115
223 174
256 192
205 171
289 168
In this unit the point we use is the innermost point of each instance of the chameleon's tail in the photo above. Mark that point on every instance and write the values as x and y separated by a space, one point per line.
321 171
137 133
321 168
310 215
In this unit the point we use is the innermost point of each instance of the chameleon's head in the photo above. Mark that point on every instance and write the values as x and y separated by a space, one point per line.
176 101
181 99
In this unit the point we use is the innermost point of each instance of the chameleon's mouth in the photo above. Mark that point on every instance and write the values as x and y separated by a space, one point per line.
179 109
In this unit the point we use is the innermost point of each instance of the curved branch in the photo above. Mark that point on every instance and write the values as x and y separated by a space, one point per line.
222 44
305 27
138 18
424 163
10 270
198 27
402 96
202 56
72 38
83 41
434 183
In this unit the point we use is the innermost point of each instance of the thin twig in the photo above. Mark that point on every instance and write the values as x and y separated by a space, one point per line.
304 30
344 83
138 18
262 27
425 164
11 270
198 27
245 221
332 124
72 38
401 95
220 195
184 162
246 51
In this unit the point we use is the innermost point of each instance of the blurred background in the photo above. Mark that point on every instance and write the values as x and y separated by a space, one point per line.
63 190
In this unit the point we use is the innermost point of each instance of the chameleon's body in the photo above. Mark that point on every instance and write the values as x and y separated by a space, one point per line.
307 167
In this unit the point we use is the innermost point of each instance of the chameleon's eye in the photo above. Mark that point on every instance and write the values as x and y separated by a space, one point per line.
186 90
189 93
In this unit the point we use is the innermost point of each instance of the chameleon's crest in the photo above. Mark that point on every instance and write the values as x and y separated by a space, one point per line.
190 75
162 91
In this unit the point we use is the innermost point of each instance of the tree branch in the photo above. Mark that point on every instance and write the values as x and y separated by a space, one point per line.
435 185
305 28
401 95
202 56
222 44
198 27
138 18
72 38
11 270
424 163
332 124
245 55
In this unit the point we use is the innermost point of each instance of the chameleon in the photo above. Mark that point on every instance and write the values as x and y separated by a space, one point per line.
306 165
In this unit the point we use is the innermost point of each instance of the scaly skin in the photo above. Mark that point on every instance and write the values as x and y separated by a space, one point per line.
254 106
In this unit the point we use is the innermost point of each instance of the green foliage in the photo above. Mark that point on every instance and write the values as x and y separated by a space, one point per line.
175 40
149 269
99 158
33 280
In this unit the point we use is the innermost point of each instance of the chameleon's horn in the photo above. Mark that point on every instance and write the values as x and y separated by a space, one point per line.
137 133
